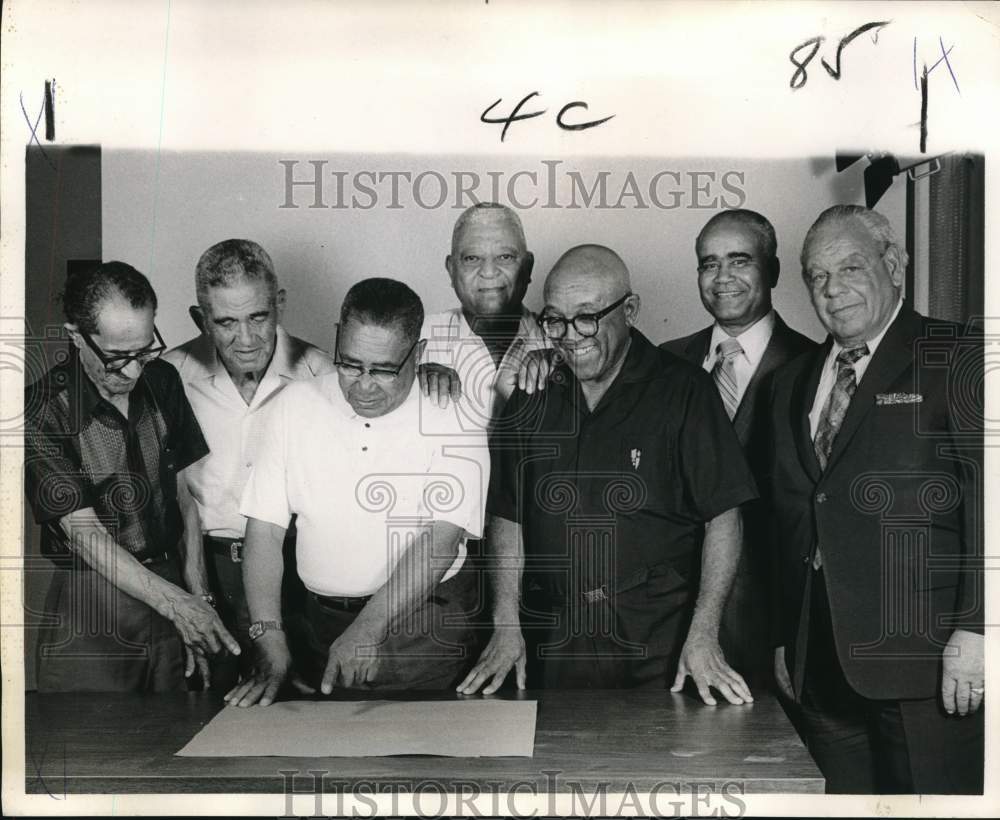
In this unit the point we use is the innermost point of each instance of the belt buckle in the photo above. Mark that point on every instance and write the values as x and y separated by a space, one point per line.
234 552
593 596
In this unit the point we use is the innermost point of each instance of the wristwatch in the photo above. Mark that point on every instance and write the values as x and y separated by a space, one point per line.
258 628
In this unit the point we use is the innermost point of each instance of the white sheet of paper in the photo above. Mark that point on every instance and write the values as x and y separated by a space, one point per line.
370 728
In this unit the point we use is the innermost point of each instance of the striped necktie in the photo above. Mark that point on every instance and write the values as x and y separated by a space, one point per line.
837 403
724 374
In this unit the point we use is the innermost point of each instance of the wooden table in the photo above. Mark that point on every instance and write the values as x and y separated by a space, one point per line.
105 743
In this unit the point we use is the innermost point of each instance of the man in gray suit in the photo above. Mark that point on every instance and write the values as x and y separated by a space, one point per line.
737 270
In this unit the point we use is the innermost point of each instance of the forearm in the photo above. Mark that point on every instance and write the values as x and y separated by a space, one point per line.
417 572
103 554
506 553
719 560
195 571
263 568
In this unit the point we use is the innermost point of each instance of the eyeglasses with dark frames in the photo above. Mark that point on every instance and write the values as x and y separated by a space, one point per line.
115 363
382 375
586 324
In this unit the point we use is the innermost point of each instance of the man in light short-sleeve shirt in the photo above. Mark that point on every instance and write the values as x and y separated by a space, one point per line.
386 489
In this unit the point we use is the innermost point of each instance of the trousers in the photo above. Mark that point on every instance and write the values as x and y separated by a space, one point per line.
99 639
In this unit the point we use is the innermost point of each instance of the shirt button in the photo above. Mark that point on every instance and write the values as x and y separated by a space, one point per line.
367 424
820 498
364 449
249 464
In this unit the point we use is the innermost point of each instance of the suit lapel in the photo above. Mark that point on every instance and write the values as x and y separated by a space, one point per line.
697 349
776 354
803 396
893 356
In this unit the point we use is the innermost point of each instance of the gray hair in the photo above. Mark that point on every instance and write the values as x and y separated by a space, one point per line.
758 223
483 210
877 225
385 303
230 262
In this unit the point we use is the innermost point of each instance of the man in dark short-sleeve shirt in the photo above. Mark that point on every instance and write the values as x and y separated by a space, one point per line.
615 476
106 434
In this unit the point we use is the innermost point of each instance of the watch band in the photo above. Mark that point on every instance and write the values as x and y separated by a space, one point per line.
258 628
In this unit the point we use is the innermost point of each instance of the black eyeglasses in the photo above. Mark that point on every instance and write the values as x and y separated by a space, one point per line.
119 361
382 375
585 324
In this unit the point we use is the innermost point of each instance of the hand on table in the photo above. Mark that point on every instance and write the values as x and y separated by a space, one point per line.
439 383
702 659
271 668
962 681
193 659
354 658
505 650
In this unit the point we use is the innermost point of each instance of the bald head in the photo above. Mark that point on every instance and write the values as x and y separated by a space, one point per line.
598 266
589 312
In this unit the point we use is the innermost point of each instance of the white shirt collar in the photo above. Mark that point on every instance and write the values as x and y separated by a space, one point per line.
753 340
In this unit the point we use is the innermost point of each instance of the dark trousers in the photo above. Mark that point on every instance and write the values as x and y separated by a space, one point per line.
626 638
225 578
866 746
98 639
433 648
743 631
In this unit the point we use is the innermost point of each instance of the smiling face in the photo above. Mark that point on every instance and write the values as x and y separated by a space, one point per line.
570 292
382 348
489 266
735 277
242 321
121 329
854 284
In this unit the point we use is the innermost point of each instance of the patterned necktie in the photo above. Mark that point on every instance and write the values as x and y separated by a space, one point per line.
836 404
724 374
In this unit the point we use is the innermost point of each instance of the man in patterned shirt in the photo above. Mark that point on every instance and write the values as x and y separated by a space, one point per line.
106 435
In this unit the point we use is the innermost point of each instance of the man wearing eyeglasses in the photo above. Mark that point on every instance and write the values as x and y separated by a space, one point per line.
617 490
107 433
232 372
386 489
738 268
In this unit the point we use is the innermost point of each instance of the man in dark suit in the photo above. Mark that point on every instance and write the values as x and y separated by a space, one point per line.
876 493
737 270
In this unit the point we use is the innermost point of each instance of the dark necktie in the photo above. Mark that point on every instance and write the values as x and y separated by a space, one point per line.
837 403
724 374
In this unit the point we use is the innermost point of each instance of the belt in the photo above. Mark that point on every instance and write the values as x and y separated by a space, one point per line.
345 603
231 547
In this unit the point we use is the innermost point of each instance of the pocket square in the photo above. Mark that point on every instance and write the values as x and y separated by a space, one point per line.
898 398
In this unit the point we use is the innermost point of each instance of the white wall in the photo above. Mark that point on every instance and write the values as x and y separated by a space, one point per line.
161 211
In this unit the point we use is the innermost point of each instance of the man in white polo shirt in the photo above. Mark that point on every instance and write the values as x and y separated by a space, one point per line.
386 489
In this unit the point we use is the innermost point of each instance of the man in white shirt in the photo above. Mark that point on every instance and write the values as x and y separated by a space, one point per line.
386 488
231 374
738 268
488 335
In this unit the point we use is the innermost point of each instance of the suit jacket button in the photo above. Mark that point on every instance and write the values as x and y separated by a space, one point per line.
805 559
820 498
